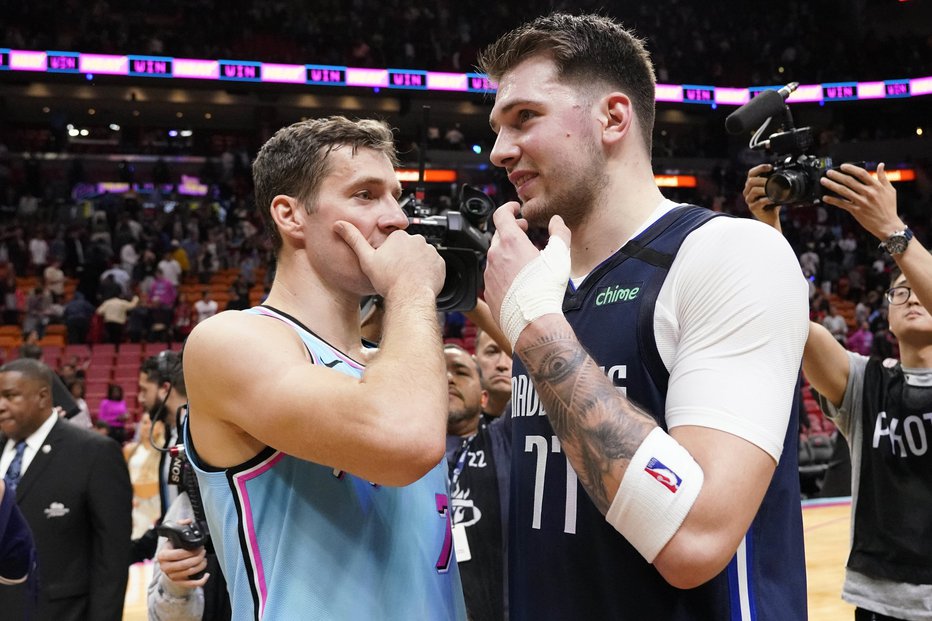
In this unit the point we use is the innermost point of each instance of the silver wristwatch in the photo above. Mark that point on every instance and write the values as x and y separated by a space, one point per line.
897 243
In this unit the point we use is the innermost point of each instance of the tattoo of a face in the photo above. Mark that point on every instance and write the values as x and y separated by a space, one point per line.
598 428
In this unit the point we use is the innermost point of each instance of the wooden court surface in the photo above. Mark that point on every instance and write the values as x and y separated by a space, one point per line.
826 528
825 524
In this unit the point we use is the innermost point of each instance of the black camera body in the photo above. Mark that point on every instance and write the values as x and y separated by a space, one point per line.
461 239
796 176
184 536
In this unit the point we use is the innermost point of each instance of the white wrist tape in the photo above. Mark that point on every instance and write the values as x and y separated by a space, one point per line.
537 290
659 487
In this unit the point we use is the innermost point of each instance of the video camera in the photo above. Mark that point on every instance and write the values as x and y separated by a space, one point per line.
462 240
796 174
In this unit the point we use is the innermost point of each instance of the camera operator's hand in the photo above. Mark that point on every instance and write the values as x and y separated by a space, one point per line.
517 296
761 207
401 260
178 564
872 201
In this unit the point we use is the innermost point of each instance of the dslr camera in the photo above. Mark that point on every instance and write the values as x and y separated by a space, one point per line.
462 240
795 178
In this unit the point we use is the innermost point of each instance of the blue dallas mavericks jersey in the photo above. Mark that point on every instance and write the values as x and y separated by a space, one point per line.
565 560
297 540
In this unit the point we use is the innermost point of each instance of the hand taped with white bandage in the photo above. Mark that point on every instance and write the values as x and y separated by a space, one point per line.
523 283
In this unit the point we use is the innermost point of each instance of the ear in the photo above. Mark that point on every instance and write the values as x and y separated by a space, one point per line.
288 216
483 399
45 397
617 117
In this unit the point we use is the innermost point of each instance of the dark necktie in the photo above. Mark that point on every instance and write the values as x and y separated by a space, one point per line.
16 466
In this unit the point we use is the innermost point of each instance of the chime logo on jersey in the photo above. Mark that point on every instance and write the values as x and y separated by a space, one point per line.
613 294
664 475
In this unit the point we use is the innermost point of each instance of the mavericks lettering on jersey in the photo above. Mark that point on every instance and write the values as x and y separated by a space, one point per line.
524 399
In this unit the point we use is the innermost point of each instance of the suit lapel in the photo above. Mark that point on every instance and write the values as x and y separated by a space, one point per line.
39 463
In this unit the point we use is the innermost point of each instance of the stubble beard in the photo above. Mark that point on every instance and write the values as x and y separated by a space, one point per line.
575 198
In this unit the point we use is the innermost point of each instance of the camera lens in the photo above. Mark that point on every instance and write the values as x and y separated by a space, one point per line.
786 186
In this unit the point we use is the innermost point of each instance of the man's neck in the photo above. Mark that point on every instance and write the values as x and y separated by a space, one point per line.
496 404
465 428
916 357
332 314
621 209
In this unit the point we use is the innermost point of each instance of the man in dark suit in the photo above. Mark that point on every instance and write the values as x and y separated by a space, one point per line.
73 488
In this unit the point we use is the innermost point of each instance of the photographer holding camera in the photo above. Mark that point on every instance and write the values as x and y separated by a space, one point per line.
883 411
176 591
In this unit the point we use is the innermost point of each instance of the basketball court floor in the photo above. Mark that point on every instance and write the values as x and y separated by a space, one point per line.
825 523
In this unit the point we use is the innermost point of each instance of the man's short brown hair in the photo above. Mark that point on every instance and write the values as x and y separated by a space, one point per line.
293 162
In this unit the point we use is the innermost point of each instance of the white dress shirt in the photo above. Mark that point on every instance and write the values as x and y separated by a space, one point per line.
33 445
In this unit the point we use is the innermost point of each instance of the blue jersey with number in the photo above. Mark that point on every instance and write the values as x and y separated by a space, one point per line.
565 560
298 540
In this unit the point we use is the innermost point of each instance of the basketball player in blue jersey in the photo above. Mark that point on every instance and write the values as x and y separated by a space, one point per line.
654 460
319 460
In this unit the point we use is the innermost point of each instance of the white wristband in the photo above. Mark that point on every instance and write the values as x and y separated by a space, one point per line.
537 290
659 488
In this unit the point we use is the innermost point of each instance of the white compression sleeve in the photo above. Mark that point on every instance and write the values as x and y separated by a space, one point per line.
537 290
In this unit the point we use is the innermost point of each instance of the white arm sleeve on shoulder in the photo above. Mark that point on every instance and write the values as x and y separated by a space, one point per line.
731 321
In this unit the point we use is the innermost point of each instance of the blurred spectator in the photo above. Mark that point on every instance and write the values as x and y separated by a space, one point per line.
478 460
137 324
180 256
836 324
83 417
239 295
183 321
77 317
109 287
113 311
129 257
862 339
54 278
14 301
495 375
114 413
170 268
162 296
205 307
119 276
143 462
38 253
36 317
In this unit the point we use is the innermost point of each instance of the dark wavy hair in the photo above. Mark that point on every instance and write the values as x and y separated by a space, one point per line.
589 51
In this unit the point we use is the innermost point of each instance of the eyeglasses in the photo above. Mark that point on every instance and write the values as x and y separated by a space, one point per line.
898 295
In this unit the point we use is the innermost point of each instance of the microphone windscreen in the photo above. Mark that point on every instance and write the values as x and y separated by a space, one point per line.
753 113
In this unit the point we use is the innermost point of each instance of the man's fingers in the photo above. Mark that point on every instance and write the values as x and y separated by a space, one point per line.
193 584
558 228
506 215
353 238
882 175
858 173
759 170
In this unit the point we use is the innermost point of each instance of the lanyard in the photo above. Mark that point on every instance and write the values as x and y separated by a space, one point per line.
461 460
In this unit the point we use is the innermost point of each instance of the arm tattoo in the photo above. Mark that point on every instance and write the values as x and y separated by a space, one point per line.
598 428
